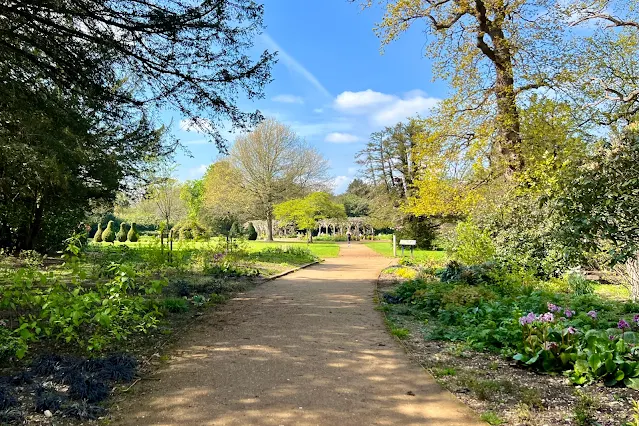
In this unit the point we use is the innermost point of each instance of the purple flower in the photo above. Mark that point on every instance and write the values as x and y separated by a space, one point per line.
623 324
547 317
528 319
592 314
612 337
568 313
572 330
636 318
553 307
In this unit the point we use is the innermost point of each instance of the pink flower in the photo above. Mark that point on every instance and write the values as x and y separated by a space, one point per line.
623 324
592 314
547 317
636 318
568 313
553 307
572 330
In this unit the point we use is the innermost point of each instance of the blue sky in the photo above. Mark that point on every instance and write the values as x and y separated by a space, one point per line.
331 84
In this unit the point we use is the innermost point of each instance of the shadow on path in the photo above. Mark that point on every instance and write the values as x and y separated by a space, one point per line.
305 349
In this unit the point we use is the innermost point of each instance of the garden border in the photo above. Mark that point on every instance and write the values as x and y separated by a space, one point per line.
289 271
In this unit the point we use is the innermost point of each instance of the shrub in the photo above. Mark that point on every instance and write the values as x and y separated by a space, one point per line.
133 235
578 284
122 233
251 233
466 296
98 234
108 235
472 245
235 231
455 272
188 230
175 305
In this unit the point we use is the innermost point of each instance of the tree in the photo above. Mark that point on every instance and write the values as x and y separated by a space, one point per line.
275 164
133 235
223 195
164 191
108 235
59 159
492 52
251 233
122 233
192 194
599 206
191 56
305 212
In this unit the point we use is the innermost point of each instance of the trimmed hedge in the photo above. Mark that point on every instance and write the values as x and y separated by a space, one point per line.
108 235
251 233
122 233
133 235
98 234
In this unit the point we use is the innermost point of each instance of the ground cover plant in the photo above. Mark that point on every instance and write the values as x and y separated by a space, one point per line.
487 315
101 298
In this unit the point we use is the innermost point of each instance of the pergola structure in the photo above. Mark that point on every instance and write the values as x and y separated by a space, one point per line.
360 227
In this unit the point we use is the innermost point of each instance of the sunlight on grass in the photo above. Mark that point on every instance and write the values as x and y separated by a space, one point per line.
386 249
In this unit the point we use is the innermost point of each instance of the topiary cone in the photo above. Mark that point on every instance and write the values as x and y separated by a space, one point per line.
122 233
98 234
108 235
133 234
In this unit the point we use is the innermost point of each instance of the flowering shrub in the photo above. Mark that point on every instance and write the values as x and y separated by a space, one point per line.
551 344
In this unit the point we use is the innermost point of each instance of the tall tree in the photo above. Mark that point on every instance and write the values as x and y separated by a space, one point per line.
275 165
305 212
490 51
189 55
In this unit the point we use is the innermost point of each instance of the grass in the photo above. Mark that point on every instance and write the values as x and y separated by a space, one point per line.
386 249
322 249
612 291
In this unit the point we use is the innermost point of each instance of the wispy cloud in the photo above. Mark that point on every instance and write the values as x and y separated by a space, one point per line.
337 137
292 64
340 183
288 99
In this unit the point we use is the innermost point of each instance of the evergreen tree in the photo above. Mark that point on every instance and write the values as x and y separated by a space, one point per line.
133 235
98 234
251 232
108 236
122 232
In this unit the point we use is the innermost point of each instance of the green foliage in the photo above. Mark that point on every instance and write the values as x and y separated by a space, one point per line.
251 233
305 212
421 229
175 305
98 234
287 254
122 233
455 272
108 235
578 284
235 231
491 418
472 245
133 235
91 317
189 230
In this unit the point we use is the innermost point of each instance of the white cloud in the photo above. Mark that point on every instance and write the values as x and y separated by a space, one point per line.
315 129
198 172
361 101
384 109
288 99
337 137
404 108
318 110
340 183
292 64
352 170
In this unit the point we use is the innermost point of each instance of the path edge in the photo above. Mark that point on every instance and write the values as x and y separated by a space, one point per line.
289 271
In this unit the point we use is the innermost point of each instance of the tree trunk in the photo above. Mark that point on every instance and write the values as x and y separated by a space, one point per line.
269 225
632 269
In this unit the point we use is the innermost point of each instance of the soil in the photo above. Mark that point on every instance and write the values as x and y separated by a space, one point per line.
305 349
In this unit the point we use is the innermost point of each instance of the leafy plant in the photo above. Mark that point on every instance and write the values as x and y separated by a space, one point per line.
108 235
98 234
133 235
122 233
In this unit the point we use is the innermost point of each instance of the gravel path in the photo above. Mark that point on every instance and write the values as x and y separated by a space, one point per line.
305 349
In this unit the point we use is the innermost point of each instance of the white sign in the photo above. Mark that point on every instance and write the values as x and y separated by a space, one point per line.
407 242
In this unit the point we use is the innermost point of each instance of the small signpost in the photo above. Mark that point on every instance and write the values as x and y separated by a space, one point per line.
408 243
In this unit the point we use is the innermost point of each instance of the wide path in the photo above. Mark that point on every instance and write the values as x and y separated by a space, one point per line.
305 349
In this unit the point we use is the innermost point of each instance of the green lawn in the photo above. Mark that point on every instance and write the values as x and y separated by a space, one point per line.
386 249
321 249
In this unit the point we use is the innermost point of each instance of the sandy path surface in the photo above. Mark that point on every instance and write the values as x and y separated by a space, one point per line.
305 349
